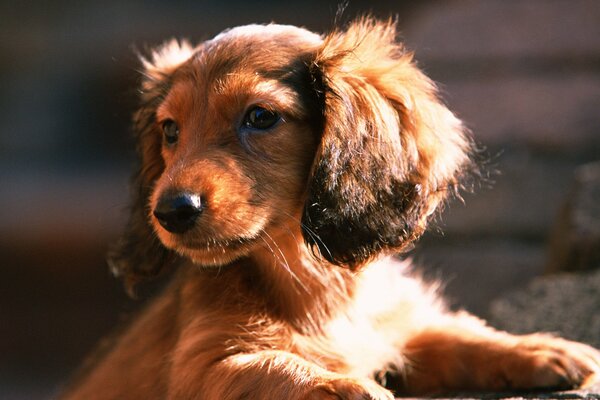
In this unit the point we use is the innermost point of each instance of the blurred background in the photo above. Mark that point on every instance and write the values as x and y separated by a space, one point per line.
525 76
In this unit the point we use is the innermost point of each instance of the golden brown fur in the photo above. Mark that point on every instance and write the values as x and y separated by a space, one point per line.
287 287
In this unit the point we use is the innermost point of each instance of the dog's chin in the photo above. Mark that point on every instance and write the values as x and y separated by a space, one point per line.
210 253
212 258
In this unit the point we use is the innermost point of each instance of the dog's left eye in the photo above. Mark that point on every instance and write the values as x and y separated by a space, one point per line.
260 118
170 131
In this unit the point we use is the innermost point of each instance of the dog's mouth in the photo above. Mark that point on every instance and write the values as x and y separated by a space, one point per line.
220 244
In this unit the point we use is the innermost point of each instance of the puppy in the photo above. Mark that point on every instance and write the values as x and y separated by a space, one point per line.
281 171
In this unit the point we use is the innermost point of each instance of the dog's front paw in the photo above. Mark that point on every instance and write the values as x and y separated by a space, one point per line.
541 361
349 389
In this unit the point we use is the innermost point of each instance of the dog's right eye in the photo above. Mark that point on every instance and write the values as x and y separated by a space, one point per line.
259 118
170 131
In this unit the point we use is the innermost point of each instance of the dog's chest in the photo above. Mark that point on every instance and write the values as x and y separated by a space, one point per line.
386 310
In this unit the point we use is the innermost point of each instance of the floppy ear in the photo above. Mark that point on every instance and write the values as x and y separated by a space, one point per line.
139 254
390 151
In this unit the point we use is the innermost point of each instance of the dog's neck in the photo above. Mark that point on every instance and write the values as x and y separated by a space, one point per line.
297 286
282 277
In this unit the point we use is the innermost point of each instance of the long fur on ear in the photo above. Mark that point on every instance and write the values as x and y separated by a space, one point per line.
390 150
138 254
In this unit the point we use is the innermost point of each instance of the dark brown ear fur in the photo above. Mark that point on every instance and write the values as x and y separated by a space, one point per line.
390 150
139 254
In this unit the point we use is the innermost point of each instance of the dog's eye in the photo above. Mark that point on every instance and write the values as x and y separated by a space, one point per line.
170 131
260 118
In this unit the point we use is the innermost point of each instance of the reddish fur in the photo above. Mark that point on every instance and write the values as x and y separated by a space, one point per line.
276 317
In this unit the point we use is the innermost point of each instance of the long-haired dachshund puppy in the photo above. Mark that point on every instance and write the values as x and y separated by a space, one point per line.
281 171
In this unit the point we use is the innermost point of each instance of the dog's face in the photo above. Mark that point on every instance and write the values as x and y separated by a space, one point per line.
237 127
271 130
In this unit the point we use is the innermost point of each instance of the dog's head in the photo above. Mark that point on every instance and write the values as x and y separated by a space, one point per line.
267 126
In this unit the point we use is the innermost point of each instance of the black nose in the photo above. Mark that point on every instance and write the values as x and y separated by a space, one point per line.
177 212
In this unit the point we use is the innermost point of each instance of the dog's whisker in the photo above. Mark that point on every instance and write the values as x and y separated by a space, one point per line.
286 265
283 259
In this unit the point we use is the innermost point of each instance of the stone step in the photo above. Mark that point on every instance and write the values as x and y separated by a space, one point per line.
565 304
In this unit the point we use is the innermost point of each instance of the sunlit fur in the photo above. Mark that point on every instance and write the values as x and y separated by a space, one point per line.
287 286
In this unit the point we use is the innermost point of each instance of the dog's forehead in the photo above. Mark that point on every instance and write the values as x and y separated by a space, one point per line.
269 32
247 53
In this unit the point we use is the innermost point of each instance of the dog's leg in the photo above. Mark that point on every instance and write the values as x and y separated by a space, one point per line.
464 354
275 375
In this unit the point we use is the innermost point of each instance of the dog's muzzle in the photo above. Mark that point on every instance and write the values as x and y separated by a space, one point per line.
178 212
